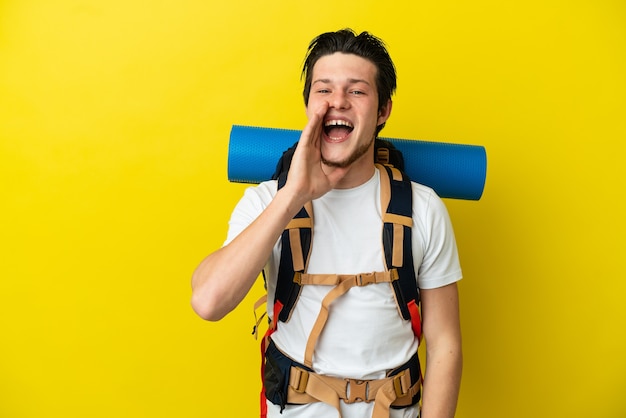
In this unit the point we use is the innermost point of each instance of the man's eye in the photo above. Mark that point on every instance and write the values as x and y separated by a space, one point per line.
323 91
357 92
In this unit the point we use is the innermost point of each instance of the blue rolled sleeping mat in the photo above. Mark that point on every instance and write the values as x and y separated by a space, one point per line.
455 171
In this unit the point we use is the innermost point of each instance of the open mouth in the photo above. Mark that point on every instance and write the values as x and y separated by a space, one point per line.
337 129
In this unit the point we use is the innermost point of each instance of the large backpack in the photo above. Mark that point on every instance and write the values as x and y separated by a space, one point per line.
296 240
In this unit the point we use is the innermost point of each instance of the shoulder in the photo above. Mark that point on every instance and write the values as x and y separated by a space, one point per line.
254 201
426 200
431 220
259 195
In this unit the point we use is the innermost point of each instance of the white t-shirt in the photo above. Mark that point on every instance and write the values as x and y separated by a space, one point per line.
365 335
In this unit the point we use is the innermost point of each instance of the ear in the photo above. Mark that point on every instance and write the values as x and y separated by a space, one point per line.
384 112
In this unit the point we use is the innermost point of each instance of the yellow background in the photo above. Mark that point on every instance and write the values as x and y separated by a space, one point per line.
114 121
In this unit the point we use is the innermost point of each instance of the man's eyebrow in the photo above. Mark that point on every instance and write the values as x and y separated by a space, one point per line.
350 81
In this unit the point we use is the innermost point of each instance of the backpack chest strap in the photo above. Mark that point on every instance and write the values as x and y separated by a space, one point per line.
362 279
342 284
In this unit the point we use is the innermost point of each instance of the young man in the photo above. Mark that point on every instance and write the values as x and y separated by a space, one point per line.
349 80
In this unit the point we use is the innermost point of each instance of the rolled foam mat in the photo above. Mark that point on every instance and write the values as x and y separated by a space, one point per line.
455 171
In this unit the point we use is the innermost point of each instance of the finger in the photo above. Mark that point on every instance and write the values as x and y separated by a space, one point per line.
318 110
313 129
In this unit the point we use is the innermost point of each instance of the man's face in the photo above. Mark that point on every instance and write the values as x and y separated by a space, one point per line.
347 83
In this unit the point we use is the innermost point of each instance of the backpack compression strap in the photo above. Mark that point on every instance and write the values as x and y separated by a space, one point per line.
396 197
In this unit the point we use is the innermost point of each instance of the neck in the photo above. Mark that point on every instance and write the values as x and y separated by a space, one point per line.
357 173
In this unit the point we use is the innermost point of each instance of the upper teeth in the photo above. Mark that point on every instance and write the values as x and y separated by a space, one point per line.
338 122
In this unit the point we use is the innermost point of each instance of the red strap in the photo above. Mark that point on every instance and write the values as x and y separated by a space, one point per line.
277 308
263 403
416 320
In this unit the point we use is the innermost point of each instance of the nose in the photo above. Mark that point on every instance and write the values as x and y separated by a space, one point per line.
339 100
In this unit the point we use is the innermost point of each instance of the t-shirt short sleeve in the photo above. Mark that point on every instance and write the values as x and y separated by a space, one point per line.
435 251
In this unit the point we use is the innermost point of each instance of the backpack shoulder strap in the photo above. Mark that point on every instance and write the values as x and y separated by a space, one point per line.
295 251
396 197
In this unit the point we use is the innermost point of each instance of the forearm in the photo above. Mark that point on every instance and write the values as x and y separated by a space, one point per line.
442 380
444 358
222 280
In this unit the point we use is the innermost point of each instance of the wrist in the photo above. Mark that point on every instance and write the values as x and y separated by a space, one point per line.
290 202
